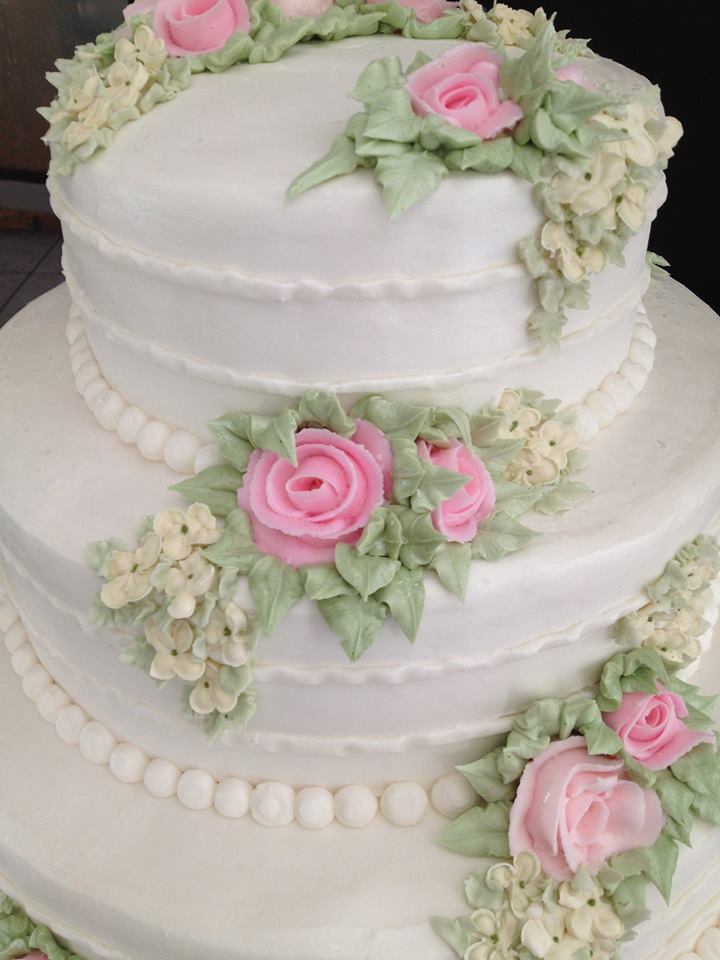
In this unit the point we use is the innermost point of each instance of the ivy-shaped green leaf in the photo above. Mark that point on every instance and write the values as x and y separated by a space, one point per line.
657 863
560 497
355 621
459 934
421 539
340 160
488 156
383 535
235 548
365 573
324 409
452 565
408 469
479 832
275 588
699 770
216 487
436 485
377 78
391 117
499 536
323 582
393 418
408 179
405 596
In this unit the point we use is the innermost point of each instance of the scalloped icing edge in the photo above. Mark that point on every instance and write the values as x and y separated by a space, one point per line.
185 453
269 803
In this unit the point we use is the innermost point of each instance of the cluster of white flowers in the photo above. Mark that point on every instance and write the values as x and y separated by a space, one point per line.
539 917
103 87
193 635
547 441
611 186
674 623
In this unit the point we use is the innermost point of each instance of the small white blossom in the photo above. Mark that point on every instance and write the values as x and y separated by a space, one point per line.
513 25
126 83
180 532
637 145
553 441
129 573
173 652
632 206
531 469
520 419
89 121
573 259
209 693
189 579
146 47
668 139
590 191
589 916
521 881
226 635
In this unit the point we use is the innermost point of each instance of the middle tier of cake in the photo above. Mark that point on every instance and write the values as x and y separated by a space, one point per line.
536 624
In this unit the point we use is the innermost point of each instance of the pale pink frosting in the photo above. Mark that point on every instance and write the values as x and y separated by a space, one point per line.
304 8
459 517
425 10
301 513
35 955
652 730
575 810
190 27
463 87
574 74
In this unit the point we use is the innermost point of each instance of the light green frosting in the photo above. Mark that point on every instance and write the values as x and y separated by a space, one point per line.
19 935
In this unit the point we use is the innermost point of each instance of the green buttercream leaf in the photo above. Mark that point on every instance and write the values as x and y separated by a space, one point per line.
484 428
340 159
569 104
677 799
271 433
408 179
447 27
436 133
391 117
547 327
319 408
699 771
481 896
656 863
483 776
383 535
479 832
550 138
215 723
377 78
447 424
421 539
459 934
236 50
488 156
527 162
235 548
627 895
138 653
270 46
436 485
336 23
532 256
419 60
393 418
275 588
658 265
499 536
501 453
515 499
366 573
550 291
370 148
405 596
561 497
355 621
408 469
216 487
324 582
231 440
534 69
637 670
98 554
452 565
577 296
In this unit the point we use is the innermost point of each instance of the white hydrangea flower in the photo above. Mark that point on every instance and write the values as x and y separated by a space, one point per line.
632 206
573 259
173 652
698 572
531 469
553 441
129 573
543 934
226 634
513 25
209 693
589 916
668 139
78 98
126 82
499 933
145 47
189 579
180 532
520 420
638 146
521 881
89 121
590 191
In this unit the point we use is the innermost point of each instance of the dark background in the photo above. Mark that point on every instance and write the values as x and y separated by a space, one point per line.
677 46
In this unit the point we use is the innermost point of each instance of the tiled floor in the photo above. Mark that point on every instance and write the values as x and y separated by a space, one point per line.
29 266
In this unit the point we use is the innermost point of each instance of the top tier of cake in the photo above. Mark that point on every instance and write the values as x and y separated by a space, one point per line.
204 289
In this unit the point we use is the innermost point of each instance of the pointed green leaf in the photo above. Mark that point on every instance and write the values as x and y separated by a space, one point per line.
275 588
479 832
391 117
499 536
657 863
383 536
324 409
408 469
377 78
515 499
324 582
527 162
436 485
405 596
355 621
500 453
341 159
366 573
235 548
408 179
484 777
561 497
393 418
216 487
458 934
422 540
677 800
452 565
488 156
699 770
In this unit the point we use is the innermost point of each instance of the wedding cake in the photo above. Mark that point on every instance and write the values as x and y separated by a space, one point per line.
359 503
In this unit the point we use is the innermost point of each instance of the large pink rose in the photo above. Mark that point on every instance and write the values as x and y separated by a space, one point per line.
463 87
459 517
425 10
652 730
574 810
300 513
190 27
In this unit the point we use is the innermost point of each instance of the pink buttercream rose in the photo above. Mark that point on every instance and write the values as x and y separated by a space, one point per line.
425 10
576 810
651 728
463 87
459 517
190 27
300 513
574 74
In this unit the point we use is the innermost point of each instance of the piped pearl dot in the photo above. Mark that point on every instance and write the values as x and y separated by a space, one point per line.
208 456
15 637
87 372
355 806
80 356
585 422
642 353
96 743
23 659
51 702
196 790
602 406
130 423
107 408
634 374
314 807
620 390
645 334
74 328
688 956
708 946
161 778
152 439
180 451
404 804
272 804
70 723
35 682
93 390
128 762
452 795
232 798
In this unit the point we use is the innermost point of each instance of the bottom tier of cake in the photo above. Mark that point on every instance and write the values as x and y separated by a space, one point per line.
123 876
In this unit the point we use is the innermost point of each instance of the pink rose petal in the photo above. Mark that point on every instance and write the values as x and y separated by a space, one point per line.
459 517
192 27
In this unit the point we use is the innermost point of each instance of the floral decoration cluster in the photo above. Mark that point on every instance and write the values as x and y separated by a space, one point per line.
585 805
23 939
673 622
193 630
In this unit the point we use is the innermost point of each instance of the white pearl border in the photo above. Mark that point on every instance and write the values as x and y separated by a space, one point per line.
269 803
707 946
185 453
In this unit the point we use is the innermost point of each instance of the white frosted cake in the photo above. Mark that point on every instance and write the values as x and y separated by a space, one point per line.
359 506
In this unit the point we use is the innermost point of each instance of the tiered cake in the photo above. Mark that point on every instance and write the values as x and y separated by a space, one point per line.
332 418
